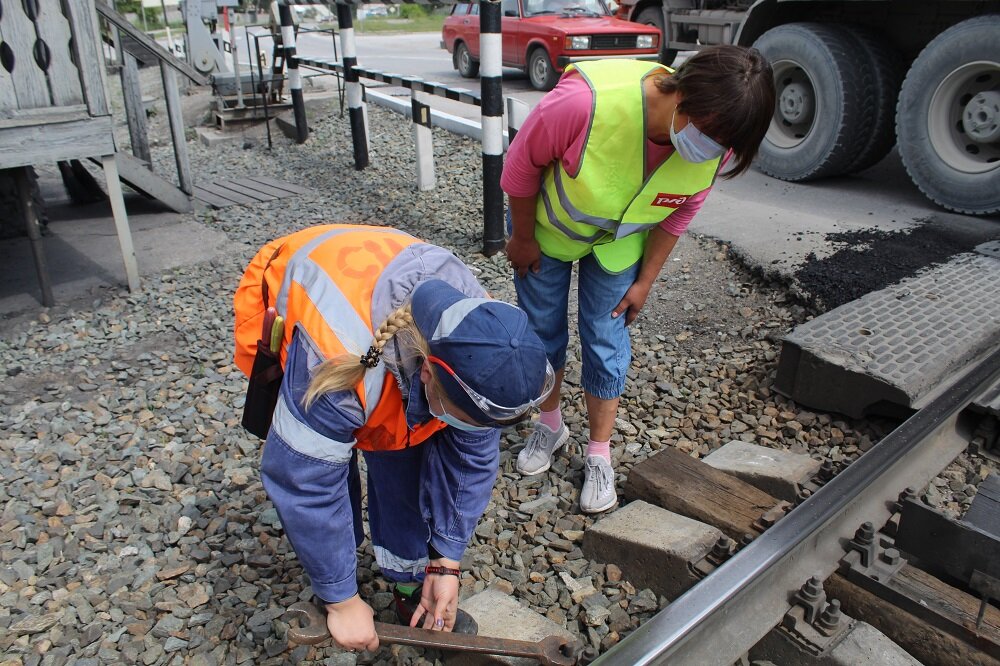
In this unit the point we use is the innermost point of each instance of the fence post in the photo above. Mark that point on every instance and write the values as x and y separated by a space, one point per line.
517 113
492 100
352 86
294 77
422 138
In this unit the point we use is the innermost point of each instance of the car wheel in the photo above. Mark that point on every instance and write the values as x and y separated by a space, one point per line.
886 68
822 113
467 67
653 16
542 74
948 118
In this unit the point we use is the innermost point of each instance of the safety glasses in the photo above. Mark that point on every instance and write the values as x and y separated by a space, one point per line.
500 413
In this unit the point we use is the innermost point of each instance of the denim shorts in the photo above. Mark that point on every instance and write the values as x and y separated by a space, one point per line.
605 343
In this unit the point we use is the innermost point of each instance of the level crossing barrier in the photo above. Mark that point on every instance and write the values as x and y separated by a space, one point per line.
490 101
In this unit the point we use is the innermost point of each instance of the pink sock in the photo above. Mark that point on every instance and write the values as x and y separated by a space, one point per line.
551 420
599 449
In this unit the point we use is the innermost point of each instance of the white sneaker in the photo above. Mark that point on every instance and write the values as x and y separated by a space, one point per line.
598 492
536 456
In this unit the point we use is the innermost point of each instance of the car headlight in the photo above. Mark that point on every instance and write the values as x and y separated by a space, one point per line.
579 42
645 41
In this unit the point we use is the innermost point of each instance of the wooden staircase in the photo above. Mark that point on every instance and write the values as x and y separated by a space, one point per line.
138 175
135 170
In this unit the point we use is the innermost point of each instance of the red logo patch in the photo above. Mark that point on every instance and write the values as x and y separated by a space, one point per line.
669 200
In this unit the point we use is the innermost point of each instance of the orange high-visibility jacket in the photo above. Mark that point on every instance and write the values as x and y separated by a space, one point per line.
321 280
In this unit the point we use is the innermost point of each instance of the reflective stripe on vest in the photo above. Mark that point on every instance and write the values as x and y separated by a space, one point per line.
324 278
300 437
610 199
345 329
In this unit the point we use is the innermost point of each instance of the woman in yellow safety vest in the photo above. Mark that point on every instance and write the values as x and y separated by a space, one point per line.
607 172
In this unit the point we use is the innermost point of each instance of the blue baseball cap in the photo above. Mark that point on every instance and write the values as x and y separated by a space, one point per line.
489 348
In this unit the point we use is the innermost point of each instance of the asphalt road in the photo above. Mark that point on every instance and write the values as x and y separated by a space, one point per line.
773 224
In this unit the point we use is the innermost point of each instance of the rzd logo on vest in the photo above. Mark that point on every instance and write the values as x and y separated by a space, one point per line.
669 200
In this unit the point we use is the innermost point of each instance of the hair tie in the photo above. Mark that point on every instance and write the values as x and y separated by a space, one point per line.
371 358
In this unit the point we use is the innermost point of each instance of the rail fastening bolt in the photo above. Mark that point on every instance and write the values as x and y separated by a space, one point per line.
830 618
865 534
812 589
891 556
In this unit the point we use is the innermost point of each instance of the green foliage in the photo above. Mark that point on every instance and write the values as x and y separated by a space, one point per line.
127 6
412 11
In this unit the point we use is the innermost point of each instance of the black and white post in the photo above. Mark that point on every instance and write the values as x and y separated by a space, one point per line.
294 77
352 85
420 115
490 71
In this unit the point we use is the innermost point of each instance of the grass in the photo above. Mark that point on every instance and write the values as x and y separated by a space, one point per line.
376 24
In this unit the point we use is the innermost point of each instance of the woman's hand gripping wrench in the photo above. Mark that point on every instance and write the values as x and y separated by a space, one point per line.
550 651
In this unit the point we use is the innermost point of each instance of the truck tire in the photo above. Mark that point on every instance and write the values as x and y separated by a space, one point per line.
541 73
467 66
948 118
653 16
886 68
823 105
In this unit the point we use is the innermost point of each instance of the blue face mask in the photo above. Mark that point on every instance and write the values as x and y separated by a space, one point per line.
692 145
451 420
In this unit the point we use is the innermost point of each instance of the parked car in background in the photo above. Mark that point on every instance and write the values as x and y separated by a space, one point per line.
542 37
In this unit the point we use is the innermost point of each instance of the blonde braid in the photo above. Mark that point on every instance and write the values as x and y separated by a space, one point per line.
345 371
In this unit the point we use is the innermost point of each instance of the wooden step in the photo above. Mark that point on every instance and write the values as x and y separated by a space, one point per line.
136 174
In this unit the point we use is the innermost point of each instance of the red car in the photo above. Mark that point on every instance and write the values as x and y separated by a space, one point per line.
543 36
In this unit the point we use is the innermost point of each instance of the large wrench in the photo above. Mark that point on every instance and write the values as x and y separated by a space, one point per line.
550 651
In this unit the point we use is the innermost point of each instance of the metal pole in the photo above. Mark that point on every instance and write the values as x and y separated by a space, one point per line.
265 90
166 23
294 77
253 82
490 71
234 50
353 86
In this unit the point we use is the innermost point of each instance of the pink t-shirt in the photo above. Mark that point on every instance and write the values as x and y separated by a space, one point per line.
556 129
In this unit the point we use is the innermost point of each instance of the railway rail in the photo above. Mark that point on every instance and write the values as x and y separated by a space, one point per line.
723 616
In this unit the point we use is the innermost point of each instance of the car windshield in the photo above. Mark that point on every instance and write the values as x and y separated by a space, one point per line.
565 8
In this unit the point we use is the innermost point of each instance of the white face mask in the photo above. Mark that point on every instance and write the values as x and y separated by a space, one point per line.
692 144
453 421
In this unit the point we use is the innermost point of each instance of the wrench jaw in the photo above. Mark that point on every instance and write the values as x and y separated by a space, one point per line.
312 628
557 651
583 655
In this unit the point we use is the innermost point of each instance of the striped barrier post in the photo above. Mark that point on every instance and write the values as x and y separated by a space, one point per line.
422 138
352 86
490 71
294 77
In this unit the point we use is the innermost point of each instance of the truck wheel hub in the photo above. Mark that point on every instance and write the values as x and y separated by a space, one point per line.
796 102
981 117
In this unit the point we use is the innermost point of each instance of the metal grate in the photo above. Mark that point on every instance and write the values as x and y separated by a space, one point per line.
602 42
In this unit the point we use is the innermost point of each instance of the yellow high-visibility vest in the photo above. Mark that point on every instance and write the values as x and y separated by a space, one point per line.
609 207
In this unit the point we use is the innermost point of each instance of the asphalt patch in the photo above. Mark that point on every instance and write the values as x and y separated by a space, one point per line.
872 259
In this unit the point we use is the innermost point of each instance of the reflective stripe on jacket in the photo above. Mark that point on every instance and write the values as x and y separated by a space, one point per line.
324 281
609 205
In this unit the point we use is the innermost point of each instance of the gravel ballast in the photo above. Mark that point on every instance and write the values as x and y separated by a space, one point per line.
133 525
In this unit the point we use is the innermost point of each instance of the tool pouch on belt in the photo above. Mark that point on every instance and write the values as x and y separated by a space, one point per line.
262 392
251 303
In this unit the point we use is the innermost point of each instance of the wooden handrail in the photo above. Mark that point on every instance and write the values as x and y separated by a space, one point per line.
149 44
